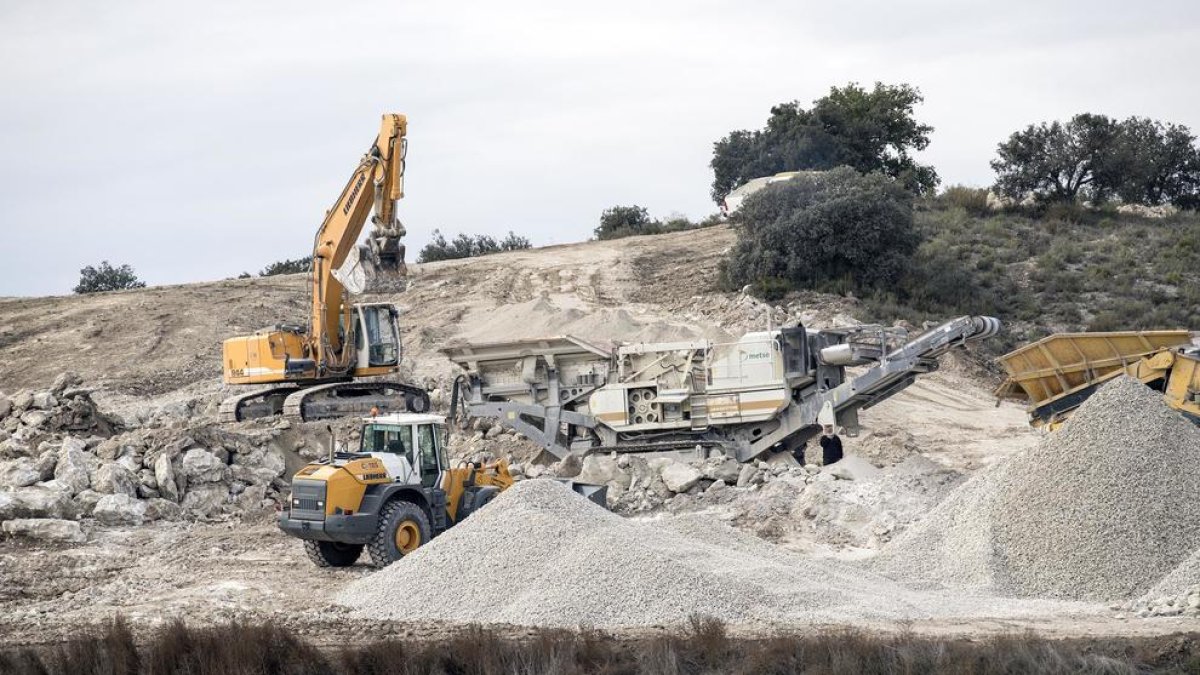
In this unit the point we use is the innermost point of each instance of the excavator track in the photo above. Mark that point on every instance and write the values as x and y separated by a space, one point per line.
348 399
255 404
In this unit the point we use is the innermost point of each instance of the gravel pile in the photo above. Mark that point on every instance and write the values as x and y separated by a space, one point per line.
1099 510
550 558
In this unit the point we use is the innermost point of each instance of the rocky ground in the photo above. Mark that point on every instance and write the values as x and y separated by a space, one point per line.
120 493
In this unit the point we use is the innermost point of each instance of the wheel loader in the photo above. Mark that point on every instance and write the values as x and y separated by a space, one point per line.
392 494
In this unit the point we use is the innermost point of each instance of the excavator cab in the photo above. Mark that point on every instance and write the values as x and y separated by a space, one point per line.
377 338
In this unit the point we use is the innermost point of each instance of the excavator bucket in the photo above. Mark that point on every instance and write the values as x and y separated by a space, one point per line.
375 267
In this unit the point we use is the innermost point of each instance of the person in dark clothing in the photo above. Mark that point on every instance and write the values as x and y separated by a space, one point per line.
831 446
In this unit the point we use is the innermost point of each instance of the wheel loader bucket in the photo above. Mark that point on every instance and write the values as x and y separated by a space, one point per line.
597 494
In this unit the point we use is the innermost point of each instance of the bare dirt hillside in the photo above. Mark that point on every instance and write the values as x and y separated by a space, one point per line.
161 346
158 350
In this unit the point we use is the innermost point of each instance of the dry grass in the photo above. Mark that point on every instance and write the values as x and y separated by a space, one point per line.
703 648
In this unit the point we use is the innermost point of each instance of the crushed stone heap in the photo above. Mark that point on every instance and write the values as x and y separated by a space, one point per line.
1099 510
541 555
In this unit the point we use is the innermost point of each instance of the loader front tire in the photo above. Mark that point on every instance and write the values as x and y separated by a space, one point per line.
332 553
403 527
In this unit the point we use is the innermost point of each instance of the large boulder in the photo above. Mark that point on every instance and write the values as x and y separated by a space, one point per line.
86 502
64 381
34 418
161 509
6 406
21 401
201 466
35 502
20 472
114 478
721 468
680 477
43 400
603 470
71 472
206 500
164 474
44 529
251 499
119 509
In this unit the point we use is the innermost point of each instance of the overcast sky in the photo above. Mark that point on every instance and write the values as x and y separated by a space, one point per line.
197 140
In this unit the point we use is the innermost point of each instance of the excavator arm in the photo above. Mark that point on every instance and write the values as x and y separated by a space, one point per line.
377 183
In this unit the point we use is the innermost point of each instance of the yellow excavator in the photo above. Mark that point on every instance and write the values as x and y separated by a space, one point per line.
1055 375
320 370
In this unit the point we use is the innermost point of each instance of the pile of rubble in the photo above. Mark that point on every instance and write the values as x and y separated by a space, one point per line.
62 461
564 562
1100 510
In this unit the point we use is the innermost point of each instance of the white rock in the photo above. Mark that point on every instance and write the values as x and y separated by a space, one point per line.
19 472
119 509
205 499
272 460
43 400
680 477
201 466
161 509
35 502
72 470
34 418
746 475
113 478
86 502
45 529
5 405
22 400
164 473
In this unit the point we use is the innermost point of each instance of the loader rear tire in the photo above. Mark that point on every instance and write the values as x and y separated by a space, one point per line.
332 553
403 527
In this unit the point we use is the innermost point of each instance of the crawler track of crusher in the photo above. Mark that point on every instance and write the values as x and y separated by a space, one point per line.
326 401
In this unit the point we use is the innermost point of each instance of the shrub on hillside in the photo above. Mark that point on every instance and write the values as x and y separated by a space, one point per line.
287 267
105 277
972 200
469 246
630 221
838 230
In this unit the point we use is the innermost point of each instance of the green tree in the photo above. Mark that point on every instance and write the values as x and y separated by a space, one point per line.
1058 162
105 277
837 230
1095 158
626 221
287 267
869 130
1155 163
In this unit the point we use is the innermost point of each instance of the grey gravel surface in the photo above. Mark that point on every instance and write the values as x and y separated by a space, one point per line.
541 555
1098 511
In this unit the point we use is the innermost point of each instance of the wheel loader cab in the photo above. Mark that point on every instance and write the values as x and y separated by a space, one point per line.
408 444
